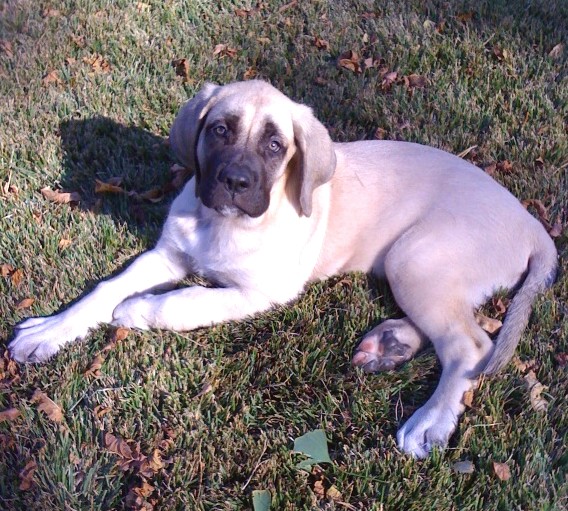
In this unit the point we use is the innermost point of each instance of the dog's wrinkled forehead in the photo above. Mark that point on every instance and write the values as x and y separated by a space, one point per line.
250 116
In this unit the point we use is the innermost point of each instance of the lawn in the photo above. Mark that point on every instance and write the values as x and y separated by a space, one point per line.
202 420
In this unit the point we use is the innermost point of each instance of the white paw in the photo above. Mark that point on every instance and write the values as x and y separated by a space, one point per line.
428 427
38 339
135 312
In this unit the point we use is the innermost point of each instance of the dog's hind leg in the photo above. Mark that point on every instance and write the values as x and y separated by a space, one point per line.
388 345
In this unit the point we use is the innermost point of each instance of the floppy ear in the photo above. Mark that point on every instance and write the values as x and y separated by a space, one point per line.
317 156
188 124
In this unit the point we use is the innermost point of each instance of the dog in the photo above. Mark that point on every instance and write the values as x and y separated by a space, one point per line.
275 204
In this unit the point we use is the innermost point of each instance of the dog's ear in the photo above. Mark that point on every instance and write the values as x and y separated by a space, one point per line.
316 155
188 124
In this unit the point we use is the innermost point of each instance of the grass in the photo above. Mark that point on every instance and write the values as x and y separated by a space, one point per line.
223 405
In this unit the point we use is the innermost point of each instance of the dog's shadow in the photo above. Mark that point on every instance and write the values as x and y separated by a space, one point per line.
133 158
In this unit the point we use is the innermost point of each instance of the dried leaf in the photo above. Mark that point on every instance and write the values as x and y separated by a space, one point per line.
350 60
78 40
415 81
490 169
182 68
499 53
51 78
523 366
561 358
154 195
388 80
557 229
505 166
250 73
119 446
321 44
25 303
26 475
64 243
143 7
502 471
101 410
490 325
6 48
465 17
17 277
6 269
538 403
499 305
95 367
102 187
380 133
223 50
467 399
243 13
60 197
9 415
97 63
557 51
463 467
46 405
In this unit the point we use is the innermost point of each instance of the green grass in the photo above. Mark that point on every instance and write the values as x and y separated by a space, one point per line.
278 376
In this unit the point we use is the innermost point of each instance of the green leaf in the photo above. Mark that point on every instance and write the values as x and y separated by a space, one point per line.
261 500
313 445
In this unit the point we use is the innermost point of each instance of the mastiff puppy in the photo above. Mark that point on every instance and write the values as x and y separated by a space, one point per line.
274 204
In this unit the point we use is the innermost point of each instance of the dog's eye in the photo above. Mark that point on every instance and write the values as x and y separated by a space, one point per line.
275 146
220 130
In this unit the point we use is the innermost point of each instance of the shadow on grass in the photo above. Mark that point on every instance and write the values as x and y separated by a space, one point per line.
100 149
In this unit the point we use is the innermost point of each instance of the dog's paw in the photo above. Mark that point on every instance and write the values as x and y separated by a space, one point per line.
38 339
427 428
134 312
381 352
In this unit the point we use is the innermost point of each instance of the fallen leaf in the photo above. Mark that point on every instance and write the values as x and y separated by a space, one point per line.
351 61
46 405
97 63
9 414
64 243
499 53
505 166
314 445
388 80
60 197
250 73
223 50
321 44
181 67
105 187
69 61
320 81
523 366
243 13
465 17
287 6
25 303
261 500
154 195
50 12
51 78
556 229
380 134
557 51
95 367
502 471
490 169
143 7
463 467
78 40
499 305
118 335
26 475
6 48
467 399
118 446
263 40
101 410
16 277
538 403
415 81
6 269
490 325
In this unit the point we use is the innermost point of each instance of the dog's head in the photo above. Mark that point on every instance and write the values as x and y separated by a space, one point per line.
244 138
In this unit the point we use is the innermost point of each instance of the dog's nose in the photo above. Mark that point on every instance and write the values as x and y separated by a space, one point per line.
236 179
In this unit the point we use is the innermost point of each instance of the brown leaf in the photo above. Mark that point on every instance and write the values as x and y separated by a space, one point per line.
380 133
50 12
538 403
6 48
60 197
243 13
388 80
9 415
51 78
17 277
182 68
26 475
250 73
556 229
465 17
78 40
321 44
143 7
95 367
106 187
25 303
118 446
350 60
541 210
500 305
154 195
557 51
320 81
505 166
502 471
118 335
46 405
101 410
64 243
499 53
561 358
467 399
6 269
490 169
415 81
223 50
490 325
97 63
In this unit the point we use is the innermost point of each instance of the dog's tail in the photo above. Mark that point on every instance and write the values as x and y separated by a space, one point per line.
541 275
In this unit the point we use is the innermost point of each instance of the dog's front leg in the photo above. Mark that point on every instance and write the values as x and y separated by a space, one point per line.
37 339
190 308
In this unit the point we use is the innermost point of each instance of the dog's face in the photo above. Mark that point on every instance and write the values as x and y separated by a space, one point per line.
243 139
